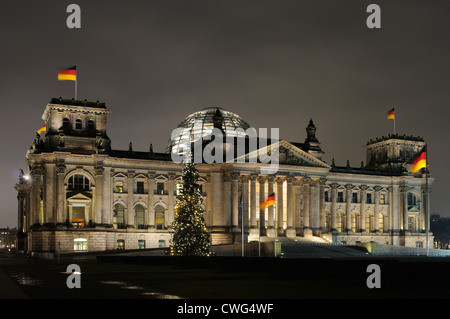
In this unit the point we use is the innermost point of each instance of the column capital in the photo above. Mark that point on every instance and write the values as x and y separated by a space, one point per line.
245 178
363 188
253 177
235 176
279 180
270 178
262 179
130 174
227 178
298 182
349 187
404 189
334 185
60 169
306 180
290 179
377 188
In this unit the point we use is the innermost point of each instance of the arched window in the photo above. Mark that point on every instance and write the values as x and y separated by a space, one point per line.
159 217
78 182
353 220
91 125
412 200
66 124
139 219
339 222
368 222
78 124
119 216
381 222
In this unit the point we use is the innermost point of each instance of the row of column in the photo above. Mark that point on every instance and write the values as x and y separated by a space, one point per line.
299 218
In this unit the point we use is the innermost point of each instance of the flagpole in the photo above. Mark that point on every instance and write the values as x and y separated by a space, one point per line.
427 194
76 85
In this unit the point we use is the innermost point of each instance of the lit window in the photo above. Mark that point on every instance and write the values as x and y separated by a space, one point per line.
80 244
118 216
159 217
119 187
382 199
160 188
139 218
141 244
120 244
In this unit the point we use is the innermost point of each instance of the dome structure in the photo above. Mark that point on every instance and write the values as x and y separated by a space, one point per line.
201 123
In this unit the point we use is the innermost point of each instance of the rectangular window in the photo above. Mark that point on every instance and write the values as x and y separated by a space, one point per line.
326 196
119 187
354 197
141 244
340 198
80 244
161 243
160 188
369 199
382 199
419 244
139 187
179 189
120 244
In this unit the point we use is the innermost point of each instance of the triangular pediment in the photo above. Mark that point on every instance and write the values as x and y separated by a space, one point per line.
288 154
79 197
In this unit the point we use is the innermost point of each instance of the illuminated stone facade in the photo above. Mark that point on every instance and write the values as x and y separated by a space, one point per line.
83 195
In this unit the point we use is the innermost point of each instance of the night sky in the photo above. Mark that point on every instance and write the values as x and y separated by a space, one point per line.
276 63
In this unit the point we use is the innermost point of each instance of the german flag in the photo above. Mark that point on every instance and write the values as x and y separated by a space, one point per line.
68 74
391 114
268 202
420 161
42 129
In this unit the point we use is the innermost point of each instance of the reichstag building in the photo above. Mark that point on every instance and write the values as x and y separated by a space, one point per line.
78 193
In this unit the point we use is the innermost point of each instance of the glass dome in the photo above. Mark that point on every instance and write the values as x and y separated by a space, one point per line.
202 122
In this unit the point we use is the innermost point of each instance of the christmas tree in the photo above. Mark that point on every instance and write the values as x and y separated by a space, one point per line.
189 235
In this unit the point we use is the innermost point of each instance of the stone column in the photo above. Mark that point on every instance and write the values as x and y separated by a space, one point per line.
35 195
306 207
107 210
389 210
404 194
49 198
377 208
290 231
235 201
171 199
270 209
279 202
333 195
60 193
245 179
323 217
363 207
396 209
315 202
227 200
253 226
151 211
348 222
130 201
262 212
98 214
298 208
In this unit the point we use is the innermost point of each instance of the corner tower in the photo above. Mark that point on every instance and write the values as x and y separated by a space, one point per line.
75 126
